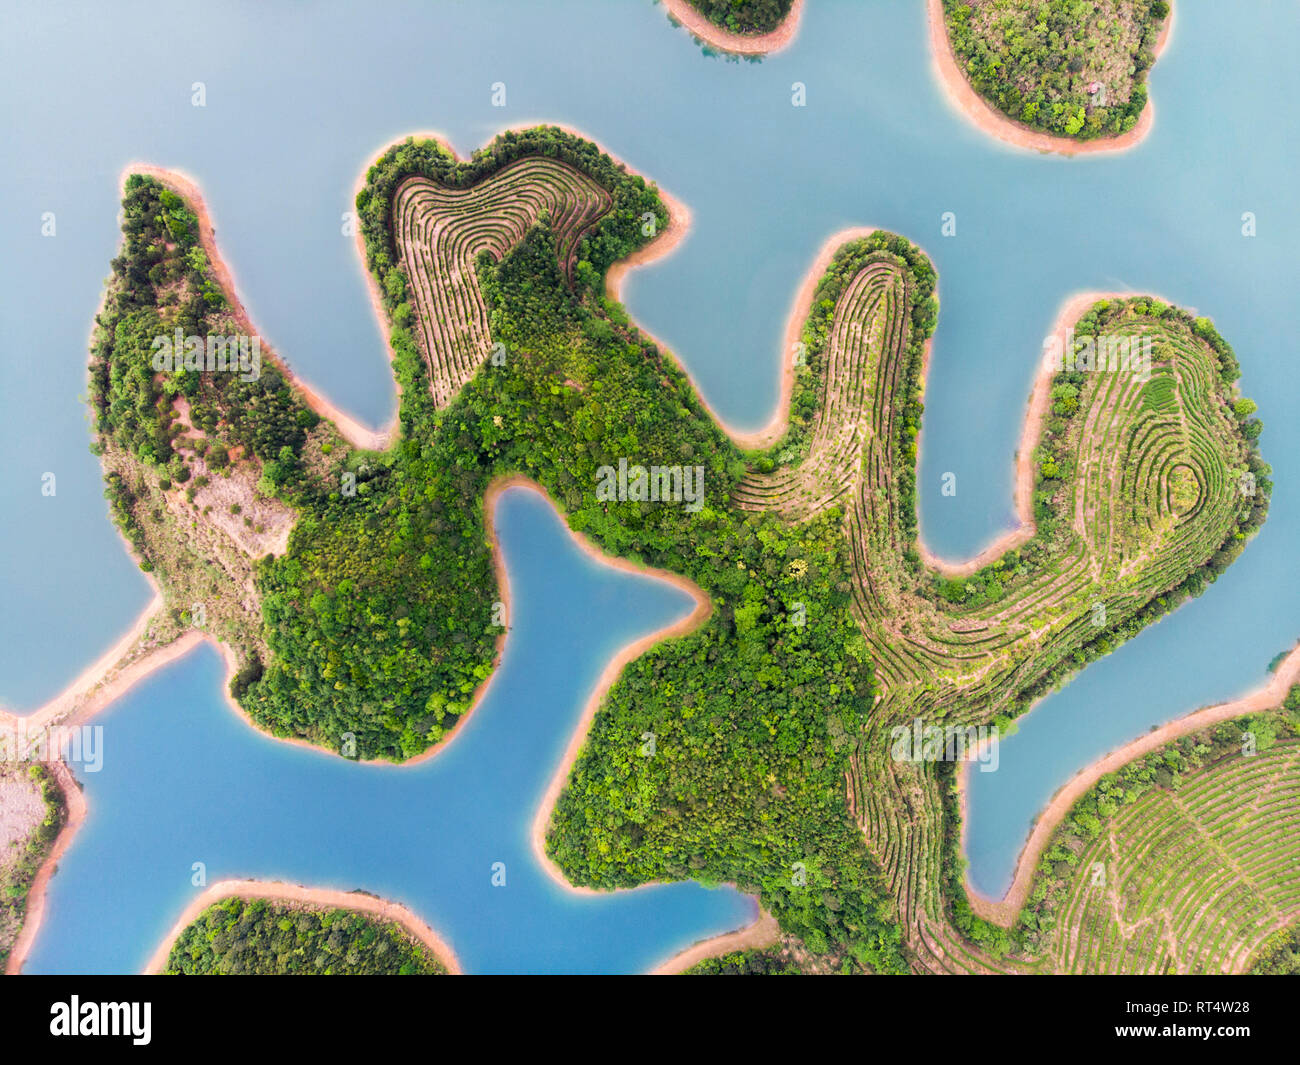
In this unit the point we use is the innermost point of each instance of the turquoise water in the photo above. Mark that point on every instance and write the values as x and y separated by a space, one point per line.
296 105
184 780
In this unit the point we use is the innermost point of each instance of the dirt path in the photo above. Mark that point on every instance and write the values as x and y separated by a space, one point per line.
99 683
1004 911
275 891
962 95
737 43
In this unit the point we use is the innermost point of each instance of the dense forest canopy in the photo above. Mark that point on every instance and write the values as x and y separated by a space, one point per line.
261 937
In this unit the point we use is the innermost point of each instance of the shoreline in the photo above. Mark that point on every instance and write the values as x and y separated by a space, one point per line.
1004 911
1071 310
75 802
353 432
86 683
608 676
141 669
763 929
800 308
114 687
660 247
689 18
663 245
356 434
963 97
281 891
764 932
106 680
667 242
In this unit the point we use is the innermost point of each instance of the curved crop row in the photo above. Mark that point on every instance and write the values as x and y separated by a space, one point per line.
1139 488
441 231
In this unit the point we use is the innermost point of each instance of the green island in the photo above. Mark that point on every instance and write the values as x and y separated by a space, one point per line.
743 17
356 588
1071 68
260 937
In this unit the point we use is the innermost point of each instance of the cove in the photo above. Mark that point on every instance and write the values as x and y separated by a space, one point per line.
184 781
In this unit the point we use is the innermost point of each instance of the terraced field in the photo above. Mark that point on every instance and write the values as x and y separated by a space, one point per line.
1140 488
1192 881
1146 489
440 232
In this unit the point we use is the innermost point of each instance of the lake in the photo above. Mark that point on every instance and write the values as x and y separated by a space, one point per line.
295 107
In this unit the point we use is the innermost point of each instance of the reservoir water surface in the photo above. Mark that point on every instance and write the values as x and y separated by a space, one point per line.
295 107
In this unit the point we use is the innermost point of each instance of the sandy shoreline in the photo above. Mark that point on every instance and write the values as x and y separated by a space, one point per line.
668 241
800 308
613 669
737 43
128 677
86 682
106 691
764 932
1070 312
356 434
277 891
36 896
963 97
1005 910
663 245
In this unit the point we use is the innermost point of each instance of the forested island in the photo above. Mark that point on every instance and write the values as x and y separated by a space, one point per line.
261 937
1070 68
743 16
1053 75
357 590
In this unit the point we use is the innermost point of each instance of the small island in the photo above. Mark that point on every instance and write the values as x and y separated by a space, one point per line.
1054 75
739 27
1049 75
269 937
